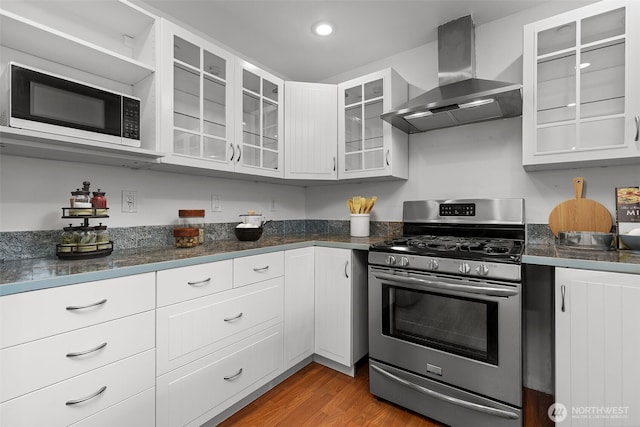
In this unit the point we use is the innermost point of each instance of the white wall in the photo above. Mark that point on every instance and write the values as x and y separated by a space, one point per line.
479 160
33 191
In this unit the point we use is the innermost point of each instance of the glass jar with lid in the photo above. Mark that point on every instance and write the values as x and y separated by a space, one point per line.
87 241
102 237
193 218
69 239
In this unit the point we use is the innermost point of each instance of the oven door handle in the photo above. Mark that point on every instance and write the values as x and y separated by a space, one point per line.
450 399
482 290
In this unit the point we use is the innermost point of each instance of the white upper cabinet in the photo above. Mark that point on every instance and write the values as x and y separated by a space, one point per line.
259 132
367 145
581 104
108 44
311 131
197 101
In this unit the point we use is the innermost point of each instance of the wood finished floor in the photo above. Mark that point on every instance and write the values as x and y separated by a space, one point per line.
319 396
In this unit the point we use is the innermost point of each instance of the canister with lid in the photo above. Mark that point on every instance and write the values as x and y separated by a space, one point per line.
102 237
193 218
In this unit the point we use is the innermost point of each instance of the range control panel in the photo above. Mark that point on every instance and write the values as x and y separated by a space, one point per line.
458 209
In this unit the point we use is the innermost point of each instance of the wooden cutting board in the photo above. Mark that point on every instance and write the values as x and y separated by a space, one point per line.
579 214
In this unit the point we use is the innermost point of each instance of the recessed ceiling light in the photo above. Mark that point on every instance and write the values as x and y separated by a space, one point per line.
322 28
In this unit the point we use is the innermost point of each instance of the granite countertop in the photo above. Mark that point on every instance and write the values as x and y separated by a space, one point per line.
40 273
557 256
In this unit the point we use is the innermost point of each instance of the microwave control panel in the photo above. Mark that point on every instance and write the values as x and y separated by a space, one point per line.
130 118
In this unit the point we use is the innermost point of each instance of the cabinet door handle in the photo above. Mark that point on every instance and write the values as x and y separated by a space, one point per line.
231 319
84 399
334 163
239 153
346 271
200 283
82 307
259 269
82 353
233 152
562 291
234 376
637 128
387 157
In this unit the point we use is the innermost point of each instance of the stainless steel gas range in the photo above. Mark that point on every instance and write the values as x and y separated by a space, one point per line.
445 312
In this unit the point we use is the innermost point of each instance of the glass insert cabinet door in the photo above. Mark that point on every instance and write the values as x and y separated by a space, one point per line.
363 128
581 77
261 121
200 102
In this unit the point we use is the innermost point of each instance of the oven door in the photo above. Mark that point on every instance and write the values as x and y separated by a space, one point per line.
463 332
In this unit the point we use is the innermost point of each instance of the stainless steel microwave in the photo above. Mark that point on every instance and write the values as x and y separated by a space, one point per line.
42 101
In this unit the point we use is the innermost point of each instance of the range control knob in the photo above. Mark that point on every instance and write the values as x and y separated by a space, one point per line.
464 268
432 264
482 270
404 261
390 260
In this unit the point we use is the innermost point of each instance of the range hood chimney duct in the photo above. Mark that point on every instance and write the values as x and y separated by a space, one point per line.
460 98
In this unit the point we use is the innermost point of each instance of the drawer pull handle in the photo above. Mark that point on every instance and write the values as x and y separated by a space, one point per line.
234 376
82 353
84 399
231 319
201 282
562 291
82 307
259 269
346 269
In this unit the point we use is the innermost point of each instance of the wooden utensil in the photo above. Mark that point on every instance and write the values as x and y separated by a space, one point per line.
579 214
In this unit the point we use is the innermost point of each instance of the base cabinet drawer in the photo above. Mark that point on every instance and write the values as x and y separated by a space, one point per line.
184 283
195 328
195 393
256 268
136 411
33 315
37 364
80 397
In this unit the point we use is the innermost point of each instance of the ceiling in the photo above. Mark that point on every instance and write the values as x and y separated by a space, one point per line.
277 33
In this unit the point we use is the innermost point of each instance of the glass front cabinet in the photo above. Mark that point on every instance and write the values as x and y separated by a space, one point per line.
197 114
581 88
259 136
367 145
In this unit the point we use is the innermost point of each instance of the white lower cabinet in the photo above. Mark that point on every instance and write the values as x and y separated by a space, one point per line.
198 391
136 411
72 400
597 348
299 302
341 306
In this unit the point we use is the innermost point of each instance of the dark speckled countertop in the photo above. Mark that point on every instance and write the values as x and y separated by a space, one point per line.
40 273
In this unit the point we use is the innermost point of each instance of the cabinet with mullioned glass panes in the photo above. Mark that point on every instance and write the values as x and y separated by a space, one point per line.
367 145
580 103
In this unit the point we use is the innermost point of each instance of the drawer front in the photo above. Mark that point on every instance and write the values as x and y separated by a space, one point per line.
185 283
195 393
40 363
195 328
33 315
136 411
256 268
54 405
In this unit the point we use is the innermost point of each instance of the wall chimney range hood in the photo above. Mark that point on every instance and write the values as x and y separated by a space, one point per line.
460 98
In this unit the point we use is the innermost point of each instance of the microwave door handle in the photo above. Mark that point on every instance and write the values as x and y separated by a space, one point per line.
482 290
450 399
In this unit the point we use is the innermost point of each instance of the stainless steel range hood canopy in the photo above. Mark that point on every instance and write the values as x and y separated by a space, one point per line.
461 98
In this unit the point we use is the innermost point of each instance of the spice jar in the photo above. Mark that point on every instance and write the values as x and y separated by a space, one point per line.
87 241
193 218
102 237
69 239
99 202
186 237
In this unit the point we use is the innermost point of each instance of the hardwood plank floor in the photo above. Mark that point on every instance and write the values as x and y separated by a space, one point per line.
319 396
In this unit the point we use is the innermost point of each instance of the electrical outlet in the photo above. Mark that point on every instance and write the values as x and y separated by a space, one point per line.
129 201
216 203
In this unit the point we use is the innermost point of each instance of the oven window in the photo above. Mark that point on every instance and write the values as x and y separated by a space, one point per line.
463 326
